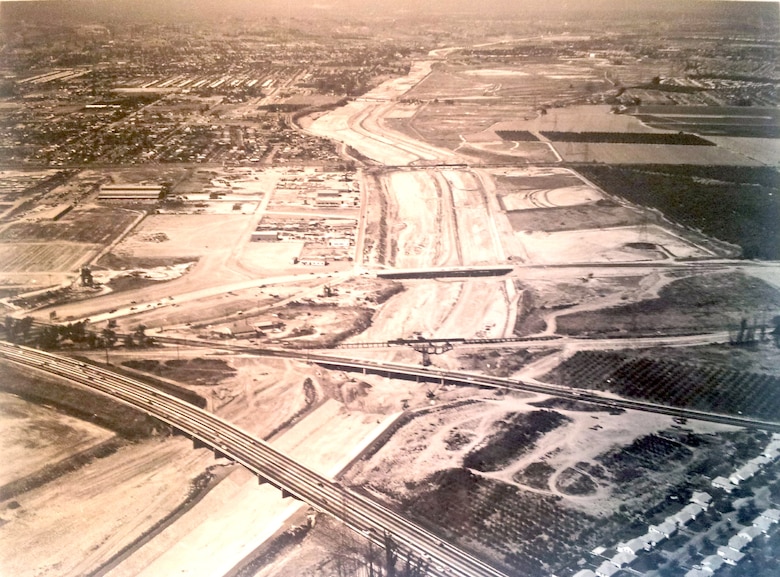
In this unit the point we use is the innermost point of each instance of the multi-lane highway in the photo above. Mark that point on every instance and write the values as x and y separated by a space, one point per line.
353 509
431 374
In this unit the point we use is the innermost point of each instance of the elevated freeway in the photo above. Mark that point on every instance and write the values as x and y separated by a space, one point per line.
442 376
355 510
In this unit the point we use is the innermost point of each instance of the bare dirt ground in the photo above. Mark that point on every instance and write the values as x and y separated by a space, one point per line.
33 436
453 309
419 221
238 515
107 504
441 439
612 244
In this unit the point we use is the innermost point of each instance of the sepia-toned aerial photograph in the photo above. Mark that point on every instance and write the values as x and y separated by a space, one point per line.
389 288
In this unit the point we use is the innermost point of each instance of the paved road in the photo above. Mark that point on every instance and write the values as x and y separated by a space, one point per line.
430 374
357 511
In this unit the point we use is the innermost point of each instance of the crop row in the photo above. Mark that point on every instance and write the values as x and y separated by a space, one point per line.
674 383
649 452
532 531
628 138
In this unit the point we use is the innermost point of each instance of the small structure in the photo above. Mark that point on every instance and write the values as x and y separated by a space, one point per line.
222 332
688 513
762 461
772 450
623 558
745 472
607 569
130 192
633 546
338 242
266 236
723 483
712 563
584 573
313 261
729 555
328 200
701 498
653 538
737 543
749 533
86 276
764 524
667 528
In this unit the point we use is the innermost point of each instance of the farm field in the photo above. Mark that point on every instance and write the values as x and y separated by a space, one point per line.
701 303
626 138
675 383
577 475
601 214
88 224
741 206
583 152
40 257
748 122
765 151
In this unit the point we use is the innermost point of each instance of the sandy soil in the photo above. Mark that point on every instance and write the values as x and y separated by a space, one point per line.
419 222
550 197
33 436
107 504
238 516
424 446
603 245
477 242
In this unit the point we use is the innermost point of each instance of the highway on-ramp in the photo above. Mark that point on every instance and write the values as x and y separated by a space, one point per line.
357 511
443 376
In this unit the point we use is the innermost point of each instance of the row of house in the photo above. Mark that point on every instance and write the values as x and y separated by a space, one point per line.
770 454
733 553
628 551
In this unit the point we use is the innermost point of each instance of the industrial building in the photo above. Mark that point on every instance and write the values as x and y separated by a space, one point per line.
130 192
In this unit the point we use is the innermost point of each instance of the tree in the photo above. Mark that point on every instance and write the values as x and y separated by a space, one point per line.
24 326
391 554
49 338
10 328
141 339
109 337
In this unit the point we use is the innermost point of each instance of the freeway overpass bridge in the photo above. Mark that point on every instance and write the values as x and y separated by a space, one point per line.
357 511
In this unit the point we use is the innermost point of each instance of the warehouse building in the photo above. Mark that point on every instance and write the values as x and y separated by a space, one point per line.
129 192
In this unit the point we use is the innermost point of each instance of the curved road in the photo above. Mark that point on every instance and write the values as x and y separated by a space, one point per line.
358 512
